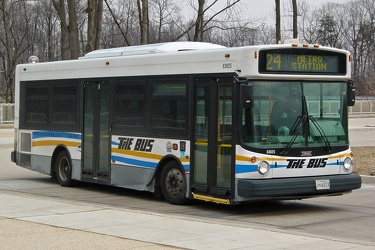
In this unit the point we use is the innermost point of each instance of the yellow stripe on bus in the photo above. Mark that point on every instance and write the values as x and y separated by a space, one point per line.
246 158
55 143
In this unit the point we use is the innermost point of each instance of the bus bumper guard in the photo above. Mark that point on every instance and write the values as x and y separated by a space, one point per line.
299 186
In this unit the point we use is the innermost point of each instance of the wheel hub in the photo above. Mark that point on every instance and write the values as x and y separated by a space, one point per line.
175 183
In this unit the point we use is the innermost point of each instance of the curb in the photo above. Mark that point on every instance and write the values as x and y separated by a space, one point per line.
367 179
7 125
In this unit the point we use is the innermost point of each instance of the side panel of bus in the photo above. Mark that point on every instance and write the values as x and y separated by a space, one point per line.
119 131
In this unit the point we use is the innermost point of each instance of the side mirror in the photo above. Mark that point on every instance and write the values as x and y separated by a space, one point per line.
351 93
246 96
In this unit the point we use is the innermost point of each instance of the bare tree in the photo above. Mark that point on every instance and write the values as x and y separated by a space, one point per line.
278 21
204 22
265 34
309 25
359 34
166 18
198 34
94 24
295 19
143 19
16 39
69 28
47 32
117 20
29 27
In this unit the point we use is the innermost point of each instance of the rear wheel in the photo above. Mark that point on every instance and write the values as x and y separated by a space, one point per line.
173 184
63 169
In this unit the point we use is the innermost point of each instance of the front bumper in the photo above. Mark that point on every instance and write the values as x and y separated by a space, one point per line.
299 186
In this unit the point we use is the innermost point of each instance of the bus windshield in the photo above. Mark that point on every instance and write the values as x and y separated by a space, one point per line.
296 114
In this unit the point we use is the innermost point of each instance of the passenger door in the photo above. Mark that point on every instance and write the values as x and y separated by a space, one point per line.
96 150
212 160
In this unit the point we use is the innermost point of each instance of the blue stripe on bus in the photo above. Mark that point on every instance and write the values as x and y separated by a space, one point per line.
246 168
253 168
49 134
142 163
134 162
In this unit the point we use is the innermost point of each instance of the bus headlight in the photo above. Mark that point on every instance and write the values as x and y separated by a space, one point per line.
348 164
263 168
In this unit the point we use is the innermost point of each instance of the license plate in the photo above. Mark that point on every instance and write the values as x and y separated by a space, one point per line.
322 184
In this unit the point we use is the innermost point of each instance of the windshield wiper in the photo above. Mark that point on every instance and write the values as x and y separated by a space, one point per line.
298 125
321 132
296 128
302 122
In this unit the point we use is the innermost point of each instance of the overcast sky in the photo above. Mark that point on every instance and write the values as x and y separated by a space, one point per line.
265 8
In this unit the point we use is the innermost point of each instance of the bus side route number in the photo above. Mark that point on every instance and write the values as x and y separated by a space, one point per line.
322 184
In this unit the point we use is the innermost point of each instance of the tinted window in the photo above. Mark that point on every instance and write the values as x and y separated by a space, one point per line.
36 105
50 104
130 103
169 104
64 105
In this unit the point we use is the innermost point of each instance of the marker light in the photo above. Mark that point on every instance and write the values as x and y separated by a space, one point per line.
348 163
33 59
263 167
253 159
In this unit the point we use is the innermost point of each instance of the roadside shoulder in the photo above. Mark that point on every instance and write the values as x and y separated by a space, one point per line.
367 179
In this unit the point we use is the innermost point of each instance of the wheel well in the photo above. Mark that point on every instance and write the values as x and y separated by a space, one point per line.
57 151
160 166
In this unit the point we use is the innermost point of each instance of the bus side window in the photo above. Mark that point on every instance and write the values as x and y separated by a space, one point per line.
129 107
36 104
64 105
169 104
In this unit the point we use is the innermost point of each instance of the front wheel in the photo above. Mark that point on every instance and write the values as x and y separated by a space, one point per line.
173 184
63 169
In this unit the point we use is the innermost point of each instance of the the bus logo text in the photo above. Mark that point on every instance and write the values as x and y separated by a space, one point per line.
312 163
139 144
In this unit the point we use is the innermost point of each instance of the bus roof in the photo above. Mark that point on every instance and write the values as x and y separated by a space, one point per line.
167 59
151 49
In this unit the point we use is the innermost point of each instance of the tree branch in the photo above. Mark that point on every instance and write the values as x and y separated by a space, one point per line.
117 23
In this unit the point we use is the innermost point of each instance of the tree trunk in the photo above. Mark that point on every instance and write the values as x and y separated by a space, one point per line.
198 34
73 30
98 24
94 24
143 20
90 26
295 19
69 31
61 12
278 24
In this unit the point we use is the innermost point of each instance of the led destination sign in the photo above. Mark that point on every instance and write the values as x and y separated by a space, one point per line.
301 62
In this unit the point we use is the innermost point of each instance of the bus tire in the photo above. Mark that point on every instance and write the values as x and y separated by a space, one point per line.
63 169
173 184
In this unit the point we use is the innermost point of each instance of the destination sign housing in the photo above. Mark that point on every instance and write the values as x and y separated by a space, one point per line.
301 61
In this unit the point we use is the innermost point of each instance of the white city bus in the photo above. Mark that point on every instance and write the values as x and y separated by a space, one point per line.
192 120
